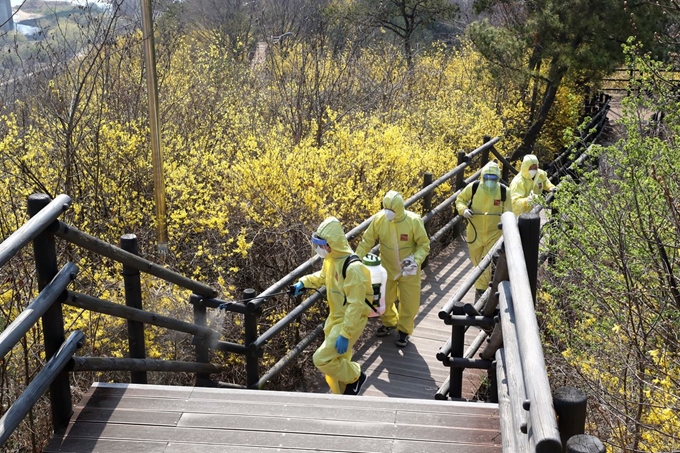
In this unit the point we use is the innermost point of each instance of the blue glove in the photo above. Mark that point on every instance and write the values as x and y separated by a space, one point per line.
222 306
296 289
341 344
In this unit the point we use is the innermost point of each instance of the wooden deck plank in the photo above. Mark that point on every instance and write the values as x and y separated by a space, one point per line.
356 437
387 425
315 399
369 429
229 437
167 408
177 447
247 420
80 445
120 415
403 446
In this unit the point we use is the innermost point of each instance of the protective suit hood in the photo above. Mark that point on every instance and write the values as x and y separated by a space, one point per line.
331 230
491 168
394 201
527 162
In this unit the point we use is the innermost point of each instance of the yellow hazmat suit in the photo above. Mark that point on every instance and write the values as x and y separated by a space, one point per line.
348 311
482 230
523 185
400 238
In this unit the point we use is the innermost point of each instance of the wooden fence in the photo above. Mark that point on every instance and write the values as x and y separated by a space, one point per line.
515 364
44 227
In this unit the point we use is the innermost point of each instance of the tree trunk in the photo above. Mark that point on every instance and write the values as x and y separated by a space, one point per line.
557 72
408 51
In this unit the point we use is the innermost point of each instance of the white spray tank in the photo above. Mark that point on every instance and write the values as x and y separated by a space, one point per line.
378 281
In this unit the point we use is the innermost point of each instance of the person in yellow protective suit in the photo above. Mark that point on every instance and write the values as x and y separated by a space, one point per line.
527 184
348 310
483 216
404 245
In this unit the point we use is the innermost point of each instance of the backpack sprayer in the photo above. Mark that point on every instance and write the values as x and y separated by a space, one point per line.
473 225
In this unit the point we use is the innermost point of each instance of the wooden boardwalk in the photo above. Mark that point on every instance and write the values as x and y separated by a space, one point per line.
128 418
414 371
396 411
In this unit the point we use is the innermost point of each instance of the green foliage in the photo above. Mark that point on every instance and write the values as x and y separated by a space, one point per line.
615 306
546 41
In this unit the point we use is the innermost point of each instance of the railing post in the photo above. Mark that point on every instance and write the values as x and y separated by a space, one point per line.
500 274
584 443
250 324
529 226
505 171
133 298
427 207
460 177
492 396
427 199
459 184
202 348
485 153
457 350
570 405
45 254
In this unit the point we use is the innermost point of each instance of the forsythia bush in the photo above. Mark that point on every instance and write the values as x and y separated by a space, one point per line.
254 159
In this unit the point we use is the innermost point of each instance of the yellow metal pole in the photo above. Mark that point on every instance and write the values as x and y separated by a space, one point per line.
154 120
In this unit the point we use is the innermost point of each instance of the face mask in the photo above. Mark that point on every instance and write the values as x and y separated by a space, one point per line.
490 184
321 251
390 215
532 173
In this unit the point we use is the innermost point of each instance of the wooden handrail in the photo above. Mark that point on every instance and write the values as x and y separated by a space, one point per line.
124 364
544 430
109 308
27 318
17 411
33 227
457 297
84 240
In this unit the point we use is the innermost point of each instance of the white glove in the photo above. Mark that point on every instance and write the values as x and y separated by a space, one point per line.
531 198
553 189
468 214
409 266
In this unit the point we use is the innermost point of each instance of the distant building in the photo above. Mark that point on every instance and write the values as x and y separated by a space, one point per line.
6 21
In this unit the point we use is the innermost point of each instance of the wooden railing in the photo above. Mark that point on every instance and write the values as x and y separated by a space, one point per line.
515 364
44 228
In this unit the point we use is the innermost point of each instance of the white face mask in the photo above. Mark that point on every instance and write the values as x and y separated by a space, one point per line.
321 251
490 184
532 173
390 215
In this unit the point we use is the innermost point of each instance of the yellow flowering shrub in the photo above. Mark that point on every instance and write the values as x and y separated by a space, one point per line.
254 159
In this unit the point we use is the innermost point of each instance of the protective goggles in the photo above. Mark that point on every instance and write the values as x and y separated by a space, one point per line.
490 177
317 240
